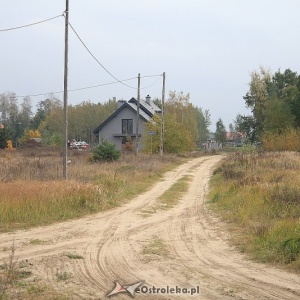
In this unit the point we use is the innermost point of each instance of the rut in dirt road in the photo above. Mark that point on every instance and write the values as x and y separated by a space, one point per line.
183 246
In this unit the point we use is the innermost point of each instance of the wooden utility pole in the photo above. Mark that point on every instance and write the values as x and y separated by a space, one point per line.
138 114
65 119
162 126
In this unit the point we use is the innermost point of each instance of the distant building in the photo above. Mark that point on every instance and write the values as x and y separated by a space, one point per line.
121 125
211 143
235 138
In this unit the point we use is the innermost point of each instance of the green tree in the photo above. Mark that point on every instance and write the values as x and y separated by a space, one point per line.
10 115
220 134
257 97
52 138
185 125
274 101
286 87
176 139
53 122
83 118
86 116
203 122
278 116
45 108
3 138
25 113
105 151
182 113
245 125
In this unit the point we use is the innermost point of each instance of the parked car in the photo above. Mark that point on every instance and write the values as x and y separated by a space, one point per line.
79 145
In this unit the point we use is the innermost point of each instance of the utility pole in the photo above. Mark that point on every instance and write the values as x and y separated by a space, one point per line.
65 119
162 126
138 114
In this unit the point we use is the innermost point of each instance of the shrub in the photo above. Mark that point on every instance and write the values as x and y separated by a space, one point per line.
28 135
105 151
9 145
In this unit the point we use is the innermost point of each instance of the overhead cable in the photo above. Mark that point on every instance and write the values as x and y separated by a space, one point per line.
32 24
146 87
76 89
90 87
95 58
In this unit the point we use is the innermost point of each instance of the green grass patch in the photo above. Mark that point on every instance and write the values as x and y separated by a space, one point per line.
73 256
63 276
259 195
38 242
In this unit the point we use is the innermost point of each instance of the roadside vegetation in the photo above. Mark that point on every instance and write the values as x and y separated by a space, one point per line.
16 282
258 193
33 193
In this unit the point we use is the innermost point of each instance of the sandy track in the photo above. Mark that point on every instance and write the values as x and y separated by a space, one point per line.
111 243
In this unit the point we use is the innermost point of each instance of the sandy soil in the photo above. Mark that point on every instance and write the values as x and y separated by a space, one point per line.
184 246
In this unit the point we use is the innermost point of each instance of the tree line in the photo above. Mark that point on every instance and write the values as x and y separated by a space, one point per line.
274 101
18 118
186 125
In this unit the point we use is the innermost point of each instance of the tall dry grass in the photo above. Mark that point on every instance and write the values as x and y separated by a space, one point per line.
289 140
32 191
259 193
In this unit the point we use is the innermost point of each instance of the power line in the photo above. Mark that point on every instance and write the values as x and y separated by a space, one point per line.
90 87
146 87
106 70
32 24
94 57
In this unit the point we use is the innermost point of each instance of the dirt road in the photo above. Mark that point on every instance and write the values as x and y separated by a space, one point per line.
184 246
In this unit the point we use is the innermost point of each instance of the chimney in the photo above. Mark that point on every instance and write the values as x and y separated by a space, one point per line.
148 99
121 102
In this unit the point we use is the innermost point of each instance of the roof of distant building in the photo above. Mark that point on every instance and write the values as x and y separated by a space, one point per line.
146 111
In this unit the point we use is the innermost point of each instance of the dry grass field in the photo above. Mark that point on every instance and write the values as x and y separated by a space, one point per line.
259 194
32 191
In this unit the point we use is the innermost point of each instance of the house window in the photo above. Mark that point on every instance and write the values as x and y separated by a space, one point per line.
127 126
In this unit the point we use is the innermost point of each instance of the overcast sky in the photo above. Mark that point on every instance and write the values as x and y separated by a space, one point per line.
208 48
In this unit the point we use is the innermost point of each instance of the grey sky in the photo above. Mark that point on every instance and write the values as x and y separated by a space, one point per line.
207 48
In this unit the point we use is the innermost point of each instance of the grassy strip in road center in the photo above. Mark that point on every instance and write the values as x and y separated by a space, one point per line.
172 196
